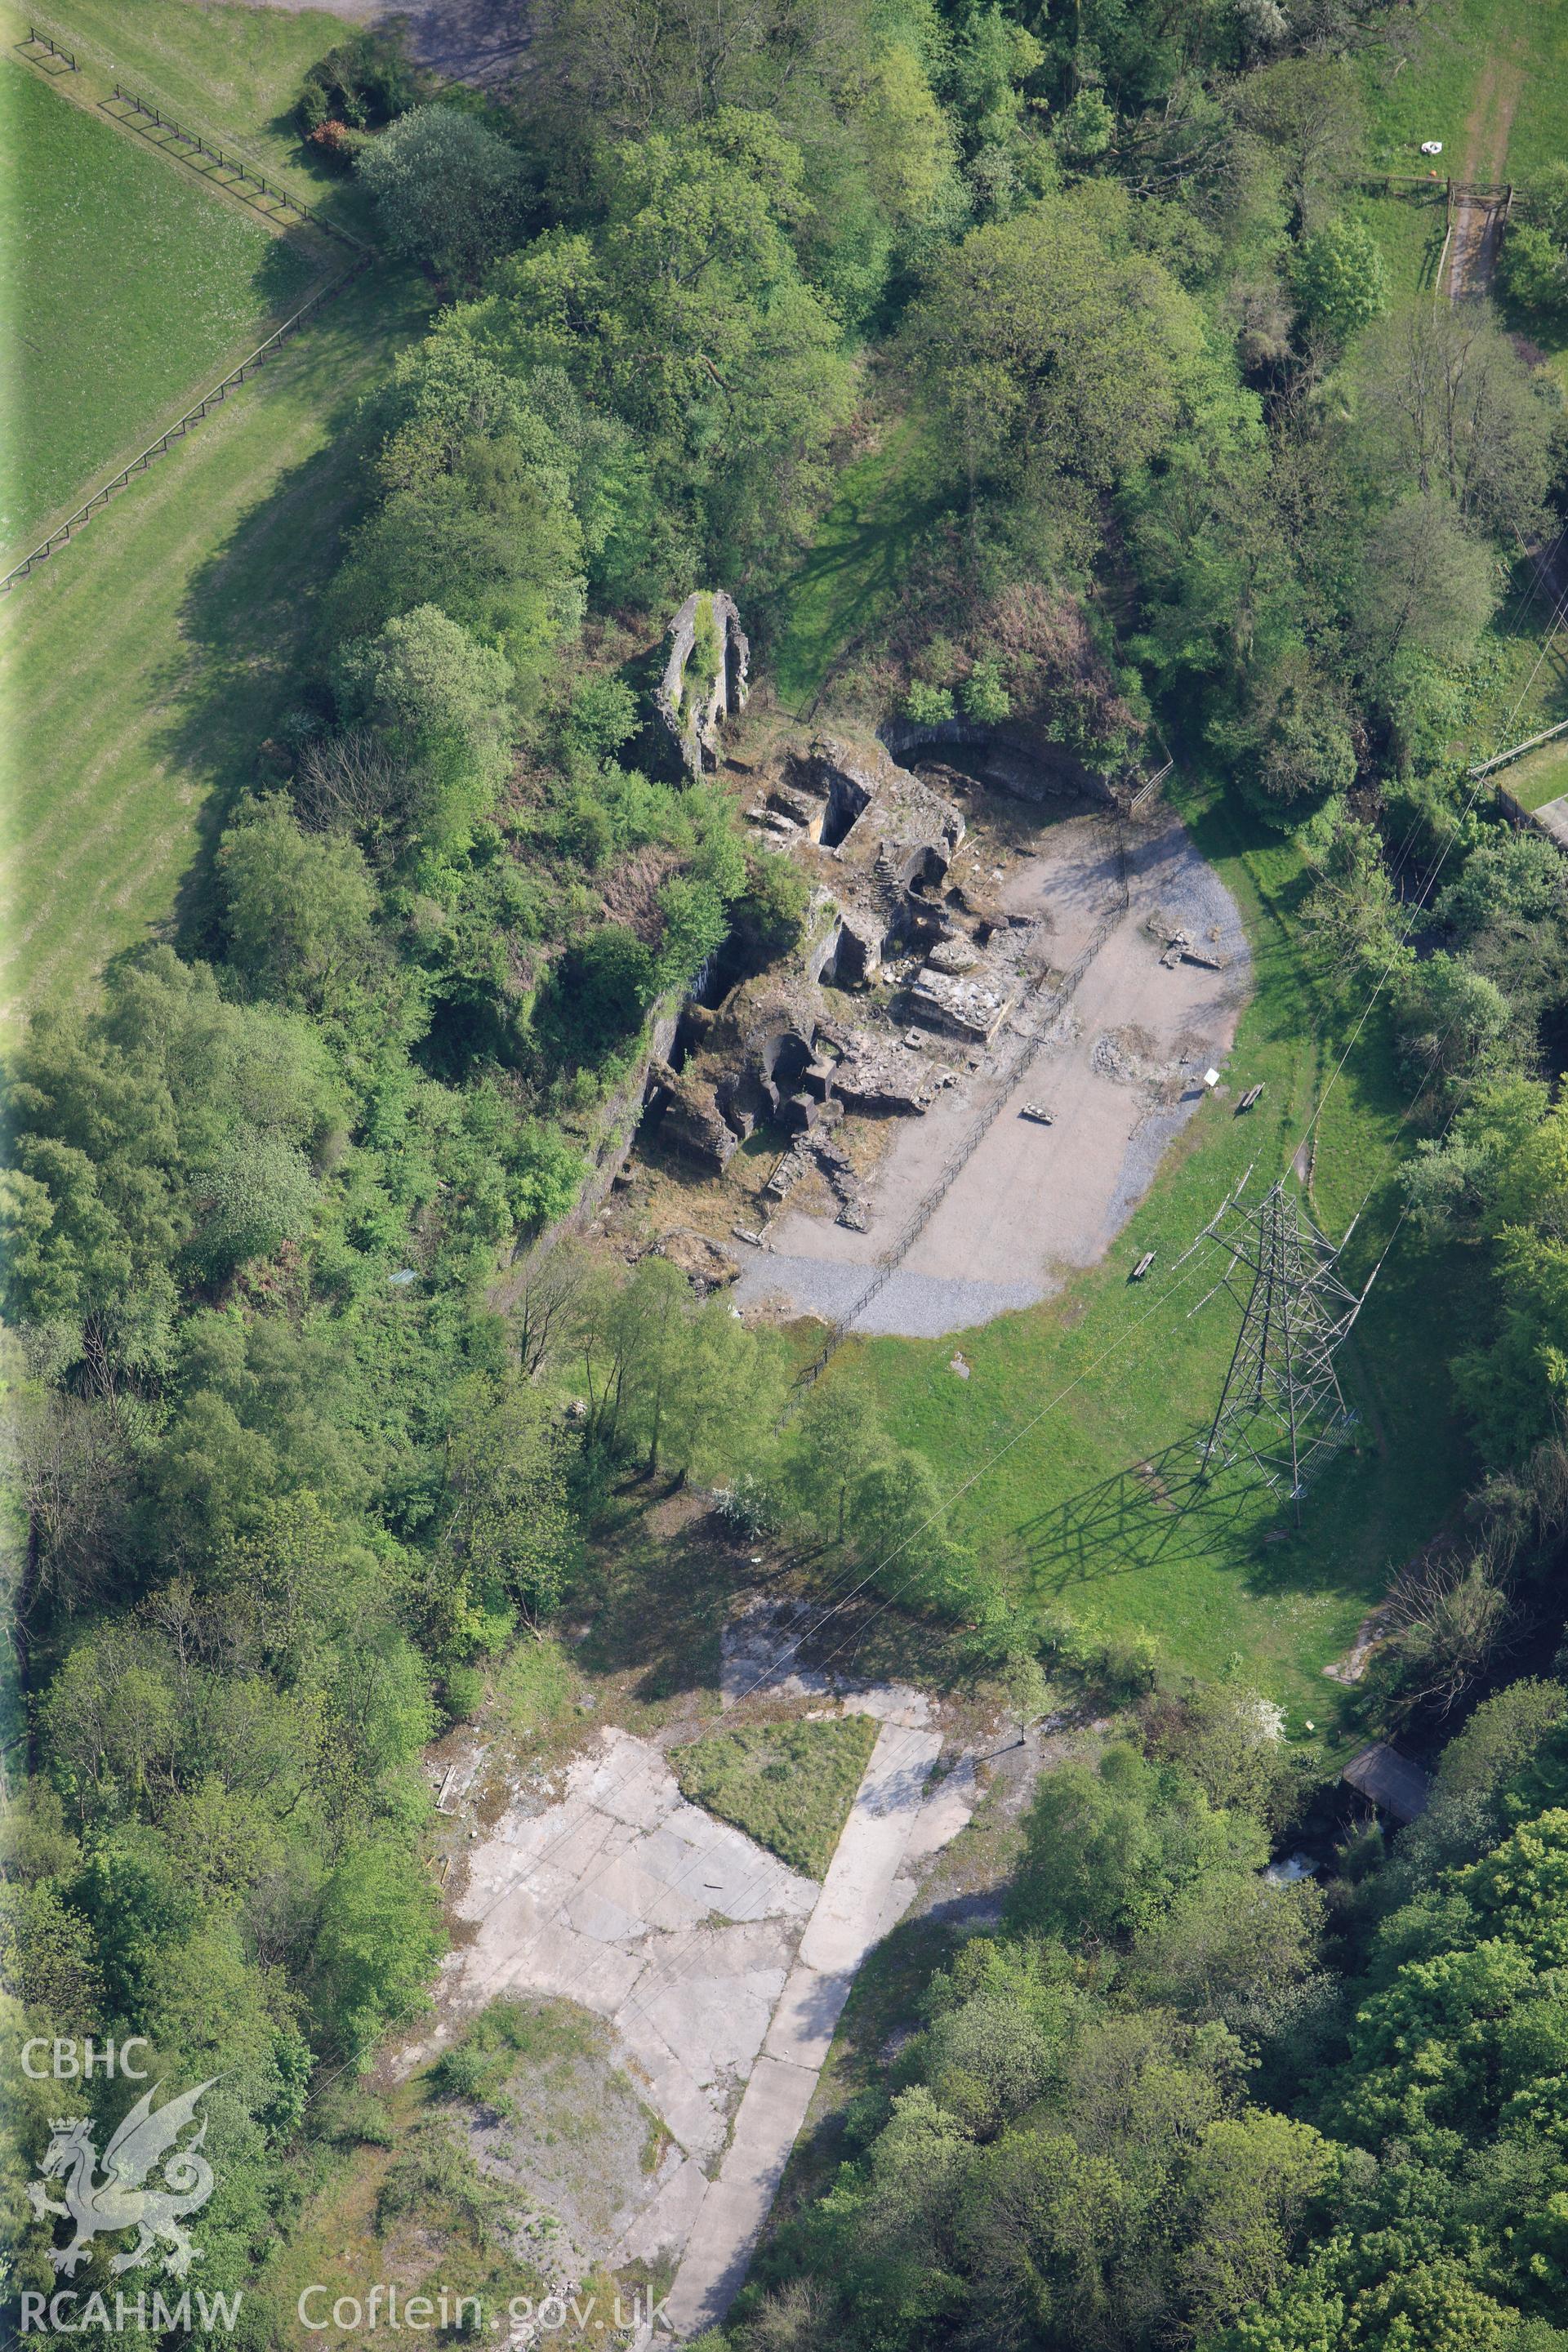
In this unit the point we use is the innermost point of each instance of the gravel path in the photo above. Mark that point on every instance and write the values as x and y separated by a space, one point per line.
470 40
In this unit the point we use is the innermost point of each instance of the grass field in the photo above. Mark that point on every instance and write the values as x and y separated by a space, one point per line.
124 286
1409 225
1086 1412
1449 49
1541 776
142 666
229 72
1490 79
788 1785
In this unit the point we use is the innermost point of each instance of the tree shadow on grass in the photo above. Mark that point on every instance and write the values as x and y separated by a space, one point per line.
663 1581
246 618
848 576
665 1578
286 269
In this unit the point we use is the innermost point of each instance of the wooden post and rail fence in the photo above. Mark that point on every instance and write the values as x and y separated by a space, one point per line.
363 255
37 40
227 163
1488 192
182 426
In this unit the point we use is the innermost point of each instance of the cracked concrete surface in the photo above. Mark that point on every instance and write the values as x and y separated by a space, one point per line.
673 1926
867 1891
722 1972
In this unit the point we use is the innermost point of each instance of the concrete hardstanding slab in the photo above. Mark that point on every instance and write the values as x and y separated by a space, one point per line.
723 1972
858 1905
736 2205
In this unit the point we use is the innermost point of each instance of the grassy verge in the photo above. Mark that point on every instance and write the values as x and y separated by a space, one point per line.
1086 1412
144 663
1494 72
788 1785
1541 776
1409 225
226 72
1526 677
123 283
884 501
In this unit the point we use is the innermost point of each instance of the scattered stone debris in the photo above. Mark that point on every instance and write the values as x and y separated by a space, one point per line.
1179 947
785 1175
844 1181
1371 1631
706 1265
1109 1057
973 1006
876 1076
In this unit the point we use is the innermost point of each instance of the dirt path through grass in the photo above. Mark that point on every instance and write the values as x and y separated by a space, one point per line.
1478 218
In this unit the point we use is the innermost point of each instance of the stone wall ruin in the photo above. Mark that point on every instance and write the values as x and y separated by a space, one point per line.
705 679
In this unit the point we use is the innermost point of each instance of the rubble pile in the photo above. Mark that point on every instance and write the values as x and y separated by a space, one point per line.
706 1265
902 915
972 1005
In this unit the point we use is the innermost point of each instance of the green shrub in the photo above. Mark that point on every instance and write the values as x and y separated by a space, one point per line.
1535 270
769 916
363 80
449 192
462 1693
1340 283
928 706
545 1176
985 696
603 716
598 994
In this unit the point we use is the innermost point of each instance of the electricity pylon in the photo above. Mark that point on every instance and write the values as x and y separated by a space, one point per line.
1281 1405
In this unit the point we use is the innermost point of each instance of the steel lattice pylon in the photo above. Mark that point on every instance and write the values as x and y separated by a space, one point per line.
1281 1406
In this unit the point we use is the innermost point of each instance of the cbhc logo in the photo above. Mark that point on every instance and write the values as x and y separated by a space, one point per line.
71 2061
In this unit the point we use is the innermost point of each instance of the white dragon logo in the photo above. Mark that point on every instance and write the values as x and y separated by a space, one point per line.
119 2201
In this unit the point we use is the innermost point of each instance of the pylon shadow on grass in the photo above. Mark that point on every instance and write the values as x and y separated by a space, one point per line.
1160 1510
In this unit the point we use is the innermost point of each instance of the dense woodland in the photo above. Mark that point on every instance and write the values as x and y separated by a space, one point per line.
286 1476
